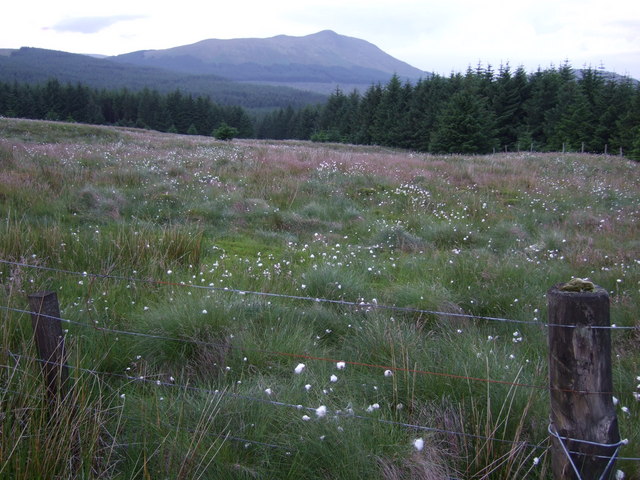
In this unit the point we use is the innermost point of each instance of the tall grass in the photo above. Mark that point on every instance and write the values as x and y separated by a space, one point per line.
180 371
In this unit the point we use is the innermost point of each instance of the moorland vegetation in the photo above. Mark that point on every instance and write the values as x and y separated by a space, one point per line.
225 304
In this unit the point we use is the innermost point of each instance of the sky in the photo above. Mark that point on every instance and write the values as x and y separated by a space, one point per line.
440 36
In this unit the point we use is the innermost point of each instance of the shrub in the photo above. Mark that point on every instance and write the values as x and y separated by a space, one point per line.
225 132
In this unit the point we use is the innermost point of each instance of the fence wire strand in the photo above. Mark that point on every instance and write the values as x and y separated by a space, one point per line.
312 357
306 298
298 407
298 298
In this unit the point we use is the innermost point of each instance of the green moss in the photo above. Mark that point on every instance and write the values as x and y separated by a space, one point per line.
578 285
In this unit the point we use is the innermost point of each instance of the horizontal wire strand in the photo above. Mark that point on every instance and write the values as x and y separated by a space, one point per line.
309 299
280 404
312 357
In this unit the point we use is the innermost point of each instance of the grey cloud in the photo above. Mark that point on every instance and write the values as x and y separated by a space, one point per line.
91 24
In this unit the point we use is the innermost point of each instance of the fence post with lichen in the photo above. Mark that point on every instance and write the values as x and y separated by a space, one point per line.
583 424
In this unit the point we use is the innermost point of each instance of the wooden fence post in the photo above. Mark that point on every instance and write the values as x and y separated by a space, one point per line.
583 417
47 328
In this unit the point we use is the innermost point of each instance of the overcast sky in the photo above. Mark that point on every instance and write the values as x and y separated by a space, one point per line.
434 35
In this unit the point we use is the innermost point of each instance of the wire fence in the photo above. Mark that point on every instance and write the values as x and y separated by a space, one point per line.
309 357
298 407
353 304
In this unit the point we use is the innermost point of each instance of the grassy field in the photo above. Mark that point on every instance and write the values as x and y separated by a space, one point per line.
171 236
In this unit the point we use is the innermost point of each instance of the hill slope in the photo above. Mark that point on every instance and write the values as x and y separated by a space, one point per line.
35 65
324 59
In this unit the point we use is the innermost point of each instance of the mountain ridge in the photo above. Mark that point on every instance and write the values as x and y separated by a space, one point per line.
256 73
325 48
325 58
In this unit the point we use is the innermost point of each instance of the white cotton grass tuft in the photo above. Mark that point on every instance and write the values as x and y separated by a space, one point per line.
300 368
620 475
268 391
341 365
388 373
306 418
321 411
333 379
418 444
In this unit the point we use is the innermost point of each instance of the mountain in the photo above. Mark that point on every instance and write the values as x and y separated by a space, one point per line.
320 61
36 65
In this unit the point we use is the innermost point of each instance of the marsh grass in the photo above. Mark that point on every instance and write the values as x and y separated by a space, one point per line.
208 388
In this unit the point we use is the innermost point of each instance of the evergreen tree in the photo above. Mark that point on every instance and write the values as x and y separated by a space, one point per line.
592 88
634 151
465 126
367 111
225 132
626 136
239 119
305 123
387 123
428 99
148 108
544 89
507 103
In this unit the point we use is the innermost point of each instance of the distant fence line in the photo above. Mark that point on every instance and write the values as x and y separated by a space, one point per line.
564 149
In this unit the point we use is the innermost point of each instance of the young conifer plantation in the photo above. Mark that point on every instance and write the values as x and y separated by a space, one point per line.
286 309
482 111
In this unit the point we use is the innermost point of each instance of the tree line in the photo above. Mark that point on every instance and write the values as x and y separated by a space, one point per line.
480 111
176 112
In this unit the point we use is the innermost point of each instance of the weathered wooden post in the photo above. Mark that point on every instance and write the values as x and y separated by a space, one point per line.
47 328
584 427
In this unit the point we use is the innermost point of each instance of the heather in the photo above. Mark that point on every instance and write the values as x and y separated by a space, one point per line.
256 275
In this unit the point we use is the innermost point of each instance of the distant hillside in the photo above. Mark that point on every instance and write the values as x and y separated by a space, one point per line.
608 76
35 65
320 61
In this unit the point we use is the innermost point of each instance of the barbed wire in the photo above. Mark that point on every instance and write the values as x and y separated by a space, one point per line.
312 357
361 304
